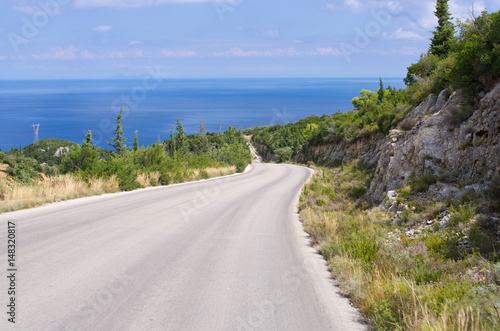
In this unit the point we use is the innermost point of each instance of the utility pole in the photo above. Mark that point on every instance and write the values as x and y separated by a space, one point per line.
36 127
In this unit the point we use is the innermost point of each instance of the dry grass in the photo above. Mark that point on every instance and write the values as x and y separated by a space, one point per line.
145 179
398 281
15 196
51 189
198 174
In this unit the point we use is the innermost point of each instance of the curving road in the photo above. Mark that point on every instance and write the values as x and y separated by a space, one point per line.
222 254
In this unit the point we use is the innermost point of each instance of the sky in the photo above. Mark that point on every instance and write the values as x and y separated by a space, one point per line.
100 39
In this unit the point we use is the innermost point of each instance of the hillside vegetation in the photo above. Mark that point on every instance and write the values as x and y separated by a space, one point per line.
424 255
470 65
37 174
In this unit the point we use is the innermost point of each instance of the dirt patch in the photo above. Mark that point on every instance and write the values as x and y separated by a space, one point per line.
3 171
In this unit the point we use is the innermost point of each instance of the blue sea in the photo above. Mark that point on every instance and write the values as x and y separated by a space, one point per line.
66 109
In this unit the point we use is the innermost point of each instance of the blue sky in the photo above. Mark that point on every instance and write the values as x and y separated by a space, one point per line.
47 39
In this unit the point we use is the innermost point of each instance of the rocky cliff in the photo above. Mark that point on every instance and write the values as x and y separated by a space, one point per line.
366 148
438 141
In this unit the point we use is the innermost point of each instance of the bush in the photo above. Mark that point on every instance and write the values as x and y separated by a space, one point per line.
407 124
25 171
127 180
283 154
422 183
458 115
164 179
478 54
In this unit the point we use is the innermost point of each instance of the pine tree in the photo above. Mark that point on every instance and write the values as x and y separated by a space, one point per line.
88 139
136 142
443 36
380 91
201 128
172 146
118 140
180 138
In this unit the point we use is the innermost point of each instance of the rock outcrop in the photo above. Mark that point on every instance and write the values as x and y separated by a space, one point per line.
443 145
366 149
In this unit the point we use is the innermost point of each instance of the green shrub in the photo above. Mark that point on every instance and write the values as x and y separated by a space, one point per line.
25 171
164 179
319 202
203 175
422 183
127 181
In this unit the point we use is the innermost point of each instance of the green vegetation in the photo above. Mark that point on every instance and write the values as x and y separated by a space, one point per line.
373 114
470 62
406 270
420 264
442 39
118 141
93 169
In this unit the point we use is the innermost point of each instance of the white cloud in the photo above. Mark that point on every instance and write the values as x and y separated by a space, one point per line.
138 54
103 28
402 34
327 52
352 5
87 55
271 34
135 42
330 6
462 11
116 55
3 58
238 52
401 51
66 54
178 52
59 53
134 3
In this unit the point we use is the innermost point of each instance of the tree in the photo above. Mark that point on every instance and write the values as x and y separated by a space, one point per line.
478 57
172 147
380 91
118 140
136 142
180 138
201 128
443 36
88 139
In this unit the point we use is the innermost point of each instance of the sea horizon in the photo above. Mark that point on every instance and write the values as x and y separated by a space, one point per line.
67 108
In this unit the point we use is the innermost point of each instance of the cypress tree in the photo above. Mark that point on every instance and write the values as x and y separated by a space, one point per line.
380 91
136 142
172 147
180 138
88 139
118 140
441 41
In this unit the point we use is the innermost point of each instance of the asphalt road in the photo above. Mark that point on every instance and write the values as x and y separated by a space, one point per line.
223 254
